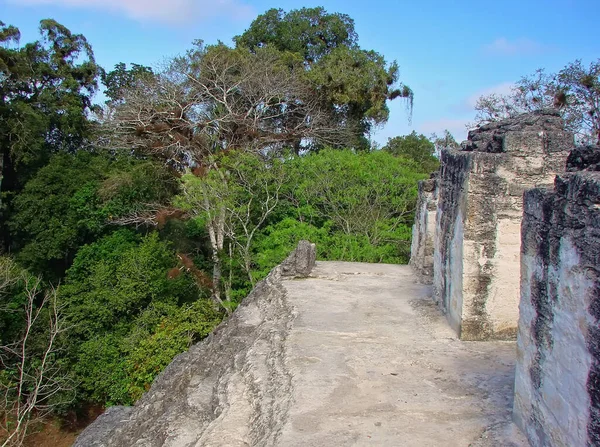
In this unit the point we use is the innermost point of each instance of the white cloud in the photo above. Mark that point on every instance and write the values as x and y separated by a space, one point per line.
505 47
167 11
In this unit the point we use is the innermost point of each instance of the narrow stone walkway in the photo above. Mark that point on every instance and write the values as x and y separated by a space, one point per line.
354 355
374 363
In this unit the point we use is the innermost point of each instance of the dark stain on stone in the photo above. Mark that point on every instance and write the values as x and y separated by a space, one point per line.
593 384
536 422
541 328
566 219
478 327
453 179
594 307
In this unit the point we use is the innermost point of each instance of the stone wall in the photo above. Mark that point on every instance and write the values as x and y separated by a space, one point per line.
230 389
480 206
421 251
557 385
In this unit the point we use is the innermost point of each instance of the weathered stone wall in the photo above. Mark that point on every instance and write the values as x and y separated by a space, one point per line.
480 205
557 386
230 389
421 251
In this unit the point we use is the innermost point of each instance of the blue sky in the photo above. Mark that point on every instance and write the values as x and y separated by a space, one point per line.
449 52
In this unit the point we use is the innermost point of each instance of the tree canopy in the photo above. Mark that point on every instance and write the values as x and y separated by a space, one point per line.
309 32
355 83
415 147
216 99
45 97
46 92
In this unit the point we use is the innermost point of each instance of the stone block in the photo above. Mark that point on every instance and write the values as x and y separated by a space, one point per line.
301 261
421 258
480 207
557 383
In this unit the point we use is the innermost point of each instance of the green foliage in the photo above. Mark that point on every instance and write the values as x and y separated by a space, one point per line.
70 201
58 211
12 299
119 80
277 241
415 147
124 307
357 192
309 32
46 94
355 84
117 368
113 280
152 349
354 206
46 88
359 80
101 370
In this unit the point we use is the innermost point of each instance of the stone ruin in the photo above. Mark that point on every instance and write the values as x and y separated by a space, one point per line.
476 236
516 252
557 383
421 250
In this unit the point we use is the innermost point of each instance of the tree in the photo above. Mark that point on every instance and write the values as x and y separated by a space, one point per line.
368 199
45 96
574 92
217 99
116 277
33 382
57 212
233 200
415 147
356 83
442 142
110 293
118 82
309 32
73 200
121 79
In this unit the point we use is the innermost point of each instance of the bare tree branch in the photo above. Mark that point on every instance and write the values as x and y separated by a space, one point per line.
31 378
222 99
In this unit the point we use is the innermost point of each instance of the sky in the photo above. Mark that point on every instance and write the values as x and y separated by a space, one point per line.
450 52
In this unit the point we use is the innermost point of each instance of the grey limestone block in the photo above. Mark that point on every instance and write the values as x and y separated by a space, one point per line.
301 262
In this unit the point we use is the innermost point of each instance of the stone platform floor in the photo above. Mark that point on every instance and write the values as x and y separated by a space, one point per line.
374 363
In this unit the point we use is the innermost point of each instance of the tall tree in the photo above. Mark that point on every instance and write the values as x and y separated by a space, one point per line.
356 83
310 32
46 90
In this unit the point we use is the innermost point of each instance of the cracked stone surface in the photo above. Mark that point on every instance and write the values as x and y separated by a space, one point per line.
354 355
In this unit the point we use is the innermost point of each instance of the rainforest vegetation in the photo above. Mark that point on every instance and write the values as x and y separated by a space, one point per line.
132 227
